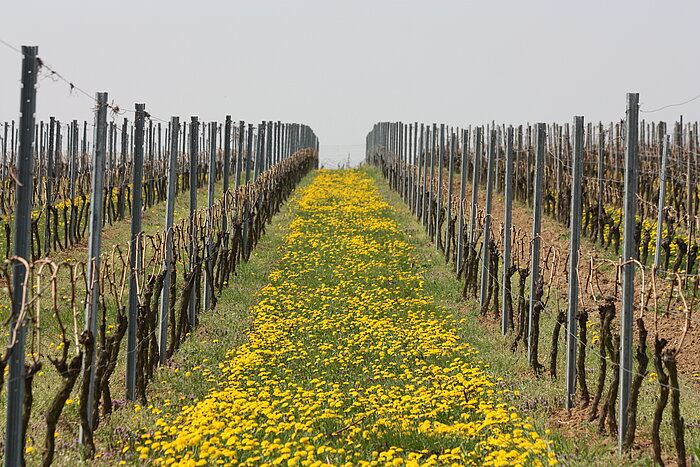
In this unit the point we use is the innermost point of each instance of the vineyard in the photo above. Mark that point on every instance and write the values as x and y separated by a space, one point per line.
297 392
77 318
200 293
563 276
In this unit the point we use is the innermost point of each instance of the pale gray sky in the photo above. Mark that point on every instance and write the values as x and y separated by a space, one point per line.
340 66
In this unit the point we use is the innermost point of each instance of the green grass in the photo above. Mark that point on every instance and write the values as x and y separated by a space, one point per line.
542 398
187 378
362 358
45 383
195 368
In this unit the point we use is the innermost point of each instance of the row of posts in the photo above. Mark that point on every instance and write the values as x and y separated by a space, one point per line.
412 151
74 148
51 161
274 143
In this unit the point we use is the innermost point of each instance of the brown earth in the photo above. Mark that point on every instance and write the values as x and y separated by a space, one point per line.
596 284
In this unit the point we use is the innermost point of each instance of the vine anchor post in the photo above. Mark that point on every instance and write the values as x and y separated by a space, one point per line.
485 261
194 169
629 252
14 436
169 238
135 250
94 245
536 231
507 229
574 244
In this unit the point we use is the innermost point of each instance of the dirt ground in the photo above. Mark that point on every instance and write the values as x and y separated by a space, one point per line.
595 284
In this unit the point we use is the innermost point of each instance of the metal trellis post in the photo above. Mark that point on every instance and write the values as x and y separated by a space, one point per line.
536 230
14 438
629 252
135 250
169 237
485 253
575 241
507 229
94 245
194 164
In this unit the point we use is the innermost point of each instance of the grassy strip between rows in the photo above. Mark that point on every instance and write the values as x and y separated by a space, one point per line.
575 440
348 361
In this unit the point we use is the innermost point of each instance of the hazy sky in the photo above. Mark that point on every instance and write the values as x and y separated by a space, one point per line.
341 66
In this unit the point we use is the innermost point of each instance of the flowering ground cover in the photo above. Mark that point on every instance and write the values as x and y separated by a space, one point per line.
348 361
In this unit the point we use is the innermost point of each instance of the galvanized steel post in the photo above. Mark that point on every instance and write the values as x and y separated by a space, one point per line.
485 251
601 174
135 250
475 183
208 276
194 167
169 238
239 155
3 169
431 193
507 230
629 253
227 169
536 230
450 185
574 244
424 186
73 161
418 166
94 245
125 144
438 211
462 194
14 439
662 201
49 186
246 220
